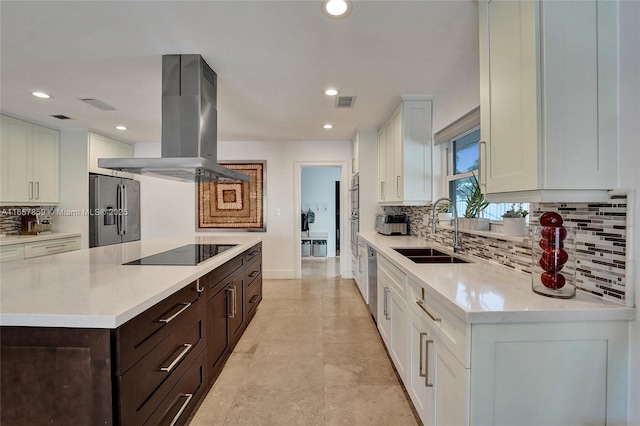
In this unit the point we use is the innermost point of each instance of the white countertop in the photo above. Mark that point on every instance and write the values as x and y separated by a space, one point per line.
20 239
92 288
485 292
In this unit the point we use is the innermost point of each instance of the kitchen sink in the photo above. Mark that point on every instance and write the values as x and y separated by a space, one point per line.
436 259
420 251
428 255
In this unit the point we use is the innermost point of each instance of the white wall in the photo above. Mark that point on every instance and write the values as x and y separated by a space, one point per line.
318 191
629 173
169 208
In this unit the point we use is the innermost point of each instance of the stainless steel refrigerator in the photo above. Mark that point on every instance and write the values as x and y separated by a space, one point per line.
114 215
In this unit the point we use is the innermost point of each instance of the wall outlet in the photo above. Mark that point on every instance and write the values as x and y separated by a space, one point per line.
425 219
277 212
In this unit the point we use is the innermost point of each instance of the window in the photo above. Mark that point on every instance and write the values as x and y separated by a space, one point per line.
463 158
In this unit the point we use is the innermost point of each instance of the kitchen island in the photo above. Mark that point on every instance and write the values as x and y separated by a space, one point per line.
87 339
475 346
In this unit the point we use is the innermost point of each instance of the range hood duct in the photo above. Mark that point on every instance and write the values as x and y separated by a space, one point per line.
189 127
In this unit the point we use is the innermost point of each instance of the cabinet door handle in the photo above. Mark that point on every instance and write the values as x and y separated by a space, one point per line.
198 288
172 317
31 190
422 373
420 304
184 406
382 190
426 373
37 190
232 300
386 300
482 168
254 274
398 185
168 368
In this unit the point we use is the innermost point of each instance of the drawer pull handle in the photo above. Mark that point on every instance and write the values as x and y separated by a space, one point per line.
184 406
187 347
254 274
172 317
420 303
53 247
254 299
253 253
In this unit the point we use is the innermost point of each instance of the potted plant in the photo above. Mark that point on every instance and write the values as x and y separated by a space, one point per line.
475 205
444 213
513 221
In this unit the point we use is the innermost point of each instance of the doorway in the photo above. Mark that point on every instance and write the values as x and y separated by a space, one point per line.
315 186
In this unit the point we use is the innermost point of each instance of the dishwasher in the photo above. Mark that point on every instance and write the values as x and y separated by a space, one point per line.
372 282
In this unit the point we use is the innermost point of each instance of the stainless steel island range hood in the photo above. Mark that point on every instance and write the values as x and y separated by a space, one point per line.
189 127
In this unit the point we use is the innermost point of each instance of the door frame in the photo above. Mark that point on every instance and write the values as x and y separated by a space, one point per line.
345 253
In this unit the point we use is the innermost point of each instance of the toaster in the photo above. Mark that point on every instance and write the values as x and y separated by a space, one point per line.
391 224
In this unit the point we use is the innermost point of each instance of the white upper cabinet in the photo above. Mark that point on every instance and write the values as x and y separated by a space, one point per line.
548 94
405 150
104 147
30 163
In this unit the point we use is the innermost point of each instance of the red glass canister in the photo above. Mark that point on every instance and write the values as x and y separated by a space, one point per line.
553 258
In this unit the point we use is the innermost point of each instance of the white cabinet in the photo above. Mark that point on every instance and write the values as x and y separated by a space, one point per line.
355 148
45 248
19 251
392 318
30 163
548 95
457 373
362 267
11 252
405 154
104 147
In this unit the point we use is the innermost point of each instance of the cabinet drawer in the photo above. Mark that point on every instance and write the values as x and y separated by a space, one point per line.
253 253
454 333
216 277
183 397
146 384
139 335
253 271
254 295
44 248
397 277
12 252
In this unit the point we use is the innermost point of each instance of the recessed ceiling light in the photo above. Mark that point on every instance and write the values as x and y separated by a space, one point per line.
331 92
328 126
121 127
336 8
41 95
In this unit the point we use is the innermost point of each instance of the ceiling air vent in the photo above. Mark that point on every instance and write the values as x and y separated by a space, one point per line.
61 117
97 103
345 101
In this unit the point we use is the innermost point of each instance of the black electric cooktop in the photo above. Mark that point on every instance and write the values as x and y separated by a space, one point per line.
191 254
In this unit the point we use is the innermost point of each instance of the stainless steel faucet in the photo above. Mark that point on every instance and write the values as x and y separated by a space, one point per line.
456 241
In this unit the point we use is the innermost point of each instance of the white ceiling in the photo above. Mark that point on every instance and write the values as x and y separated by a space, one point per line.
273 59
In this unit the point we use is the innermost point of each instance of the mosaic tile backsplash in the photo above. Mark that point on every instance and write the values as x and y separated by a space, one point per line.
10 223
600 243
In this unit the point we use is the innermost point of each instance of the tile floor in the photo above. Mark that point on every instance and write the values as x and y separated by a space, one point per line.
311 356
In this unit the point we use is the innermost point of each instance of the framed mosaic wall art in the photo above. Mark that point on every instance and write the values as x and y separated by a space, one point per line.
234 206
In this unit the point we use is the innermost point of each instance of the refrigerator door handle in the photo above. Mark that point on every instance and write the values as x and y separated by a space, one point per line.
124 211
119 207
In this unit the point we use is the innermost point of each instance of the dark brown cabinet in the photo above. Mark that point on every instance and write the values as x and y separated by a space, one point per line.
153 370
